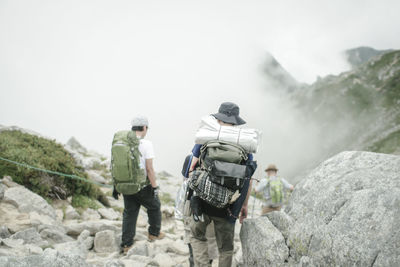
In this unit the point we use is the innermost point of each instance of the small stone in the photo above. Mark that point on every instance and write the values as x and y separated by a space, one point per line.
8 181
104 241
4 233
71 213
108 214
2 190
33 249
86 239
12 243
90 215
178 247
30 236
114 263
163 259
139 249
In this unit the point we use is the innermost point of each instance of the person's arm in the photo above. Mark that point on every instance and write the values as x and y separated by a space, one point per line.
287 185
151 174
194 162
196 155
243 212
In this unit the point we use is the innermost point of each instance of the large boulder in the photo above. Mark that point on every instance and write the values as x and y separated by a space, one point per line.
263 244
50 257
27 201
14 220
30 236
346 212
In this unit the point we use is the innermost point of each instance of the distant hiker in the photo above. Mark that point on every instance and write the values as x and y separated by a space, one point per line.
210 234
272 188
220 184
134 177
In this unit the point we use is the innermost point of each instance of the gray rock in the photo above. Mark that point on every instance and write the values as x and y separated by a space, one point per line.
90 215
178 247
30 236
346 212
71 213
8 181
104 242
4 233
54 237
13 219
27 201
162 259
72 248
12 243
108 214
92 226
50 257
86 239
282 221
2 190
114 263
93 175
140 249
262 243
33 249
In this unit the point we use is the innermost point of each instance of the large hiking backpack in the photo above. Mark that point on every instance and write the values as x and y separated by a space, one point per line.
276 191
221 173
127 175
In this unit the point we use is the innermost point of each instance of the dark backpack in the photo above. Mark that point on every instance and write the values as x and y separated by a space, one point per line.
221 173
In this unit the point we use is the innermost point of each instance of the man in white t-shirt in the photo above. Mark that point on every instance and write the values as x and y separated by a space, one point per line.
148 196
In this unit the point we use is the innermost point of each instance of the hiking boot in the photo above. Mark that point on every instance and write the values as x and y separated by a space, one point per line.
126 249
153 237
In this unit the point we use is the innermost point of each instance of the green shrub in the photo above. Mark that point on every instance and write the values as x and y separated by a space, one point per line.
45 154
84 202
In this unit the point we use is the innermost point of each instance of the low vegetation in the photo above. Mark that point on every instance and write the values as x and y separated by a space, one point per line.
45 154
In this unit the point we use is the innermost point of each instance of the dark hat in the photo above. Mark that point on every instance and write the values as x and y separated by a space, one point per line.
229 113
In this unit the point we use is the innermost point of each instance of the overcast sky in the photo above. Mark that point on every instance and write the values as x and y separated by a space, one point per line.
85 68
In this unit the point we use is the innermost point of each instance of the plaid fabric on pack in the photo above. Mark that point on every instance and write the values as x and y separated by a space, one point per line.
214 194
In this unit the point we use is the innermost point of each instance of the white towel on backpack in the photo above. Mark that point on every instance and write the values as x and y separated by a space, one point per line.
210 129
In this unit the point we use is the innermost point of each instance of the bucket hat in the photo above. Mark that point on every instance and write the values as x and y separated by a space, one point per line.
229 113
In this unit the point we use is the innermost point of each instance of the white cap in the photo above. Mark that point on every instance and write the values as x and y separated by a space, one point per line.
140 121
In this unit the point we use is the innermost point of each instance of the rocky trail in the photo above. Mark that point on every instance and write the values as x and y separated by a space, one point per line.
33 231
345 212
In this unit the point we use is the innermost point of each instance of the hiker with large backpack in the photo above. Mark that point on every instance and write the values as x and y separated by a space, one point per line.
180 204
220 183
272 188
134 177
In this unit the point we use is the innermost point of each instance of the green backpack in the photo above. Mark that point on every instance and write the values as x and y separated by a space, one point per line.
127 175
276 192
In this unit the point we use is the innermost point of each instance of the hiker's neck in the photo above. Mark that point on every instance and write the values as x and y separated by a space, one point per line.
141 134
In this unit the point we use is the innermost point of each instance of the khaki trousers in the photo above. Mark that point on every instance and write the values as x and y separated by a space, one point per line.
224 234
266 209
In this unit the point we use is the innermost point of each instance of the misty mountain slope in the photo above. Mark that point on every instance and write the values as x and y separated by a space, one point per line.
277 75
359 109
359 55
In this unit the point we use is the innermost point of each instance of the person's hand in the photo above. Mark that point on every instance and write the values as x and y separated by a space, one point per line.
156 191
115 193
243 214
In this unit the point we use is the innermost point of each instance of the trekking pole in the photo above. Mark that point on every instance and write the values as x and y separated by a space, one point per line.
254 203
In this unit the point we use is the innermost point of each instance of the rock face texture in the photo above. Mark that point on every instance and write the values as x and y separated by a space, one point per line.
344 213
258 252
